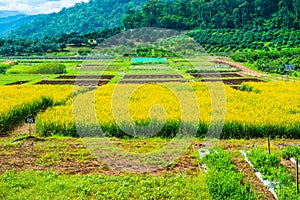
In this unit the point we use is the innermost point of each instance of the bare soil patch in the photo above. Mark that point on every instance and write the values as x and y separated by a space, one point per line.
250 178
86 77
233 81
162 76
73 82
212 75
17 83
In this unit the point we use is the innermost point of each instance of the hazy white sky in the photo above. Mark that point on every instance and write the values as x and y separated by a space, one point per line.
37 6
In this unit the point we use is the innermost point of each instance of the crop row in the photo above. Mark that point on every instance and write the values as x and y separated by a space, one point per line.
222 179
271 168
270 109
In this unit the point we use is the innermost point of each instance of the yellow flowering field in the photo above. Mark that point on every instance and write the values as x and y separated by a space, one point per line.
262 109
18 102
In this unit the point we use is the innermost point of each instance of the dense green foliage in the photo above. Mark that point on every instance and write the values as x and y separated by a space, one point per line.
269 165
291 152
190 14
222 178
233 40
49 185
3 68
81 18
18 47
219 26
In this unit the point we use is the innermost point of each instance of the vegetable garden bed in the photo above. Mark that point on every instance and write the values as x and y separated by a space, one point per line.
211 75
150 81
233 81
152 76
17 83
72 82
86 77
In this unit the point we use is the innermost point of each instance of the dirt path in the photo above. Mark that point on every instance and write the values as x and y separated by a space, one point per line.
251 178
244 70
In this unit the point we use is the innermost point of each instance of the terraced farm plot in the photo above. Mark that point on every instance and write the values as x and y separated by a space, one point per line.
151 81
101 68
154 76
213 75
215 72
258 111
233 81
151 73
86 77
17 78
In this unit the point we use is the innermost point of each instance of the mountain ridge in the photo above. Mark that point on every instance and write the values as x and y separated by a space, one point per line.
9 13
12 23
82 18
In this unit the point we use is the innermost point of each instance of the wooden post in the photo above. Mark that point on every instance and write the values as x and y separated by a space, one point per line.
30 129
269 146
297 176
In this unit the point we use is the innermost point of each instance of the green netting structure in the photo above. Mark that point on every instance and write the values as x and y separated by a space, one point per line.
141 61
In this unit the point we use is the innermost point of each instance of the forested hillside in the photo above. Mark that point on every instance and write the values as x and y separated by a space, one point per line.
217 25
190 14
81 18
8 24
174 14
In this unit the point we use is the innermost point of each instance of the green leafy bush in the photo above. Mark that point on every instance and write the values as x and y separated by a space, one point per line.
3 68
291 152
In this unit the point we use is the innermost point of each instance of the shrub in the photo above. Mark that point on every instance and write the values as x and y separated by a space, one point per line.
3 68
291 152
222 179
45 68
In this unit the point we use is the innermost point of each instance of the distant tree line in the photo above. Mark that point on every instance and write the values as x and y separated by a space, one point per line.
20 47
217 25
236 40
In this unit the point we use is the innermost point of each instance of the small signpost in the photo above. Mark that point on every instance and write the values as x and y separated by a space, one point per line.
269 145
30 120
289 68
